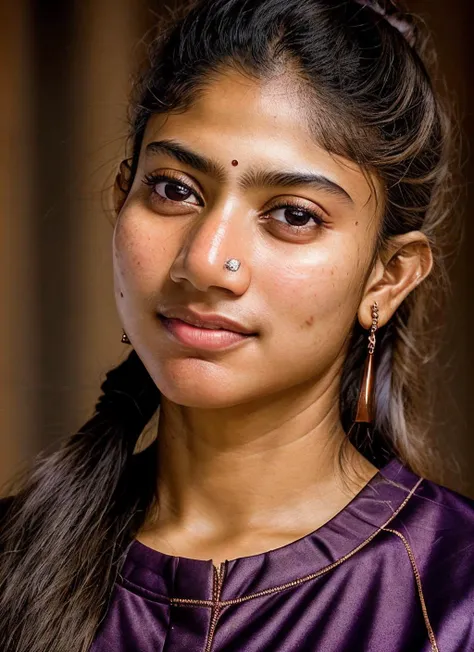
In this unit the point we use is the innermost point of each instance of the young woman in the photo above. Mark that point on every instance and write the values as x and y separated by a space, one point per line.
278 258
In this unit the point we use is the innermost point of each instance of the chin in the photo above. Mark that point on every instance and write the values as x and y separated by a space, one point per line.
194 382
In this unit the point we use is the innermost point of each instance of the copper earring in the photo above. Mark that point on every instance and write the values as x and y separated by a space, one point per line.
365 404
125 339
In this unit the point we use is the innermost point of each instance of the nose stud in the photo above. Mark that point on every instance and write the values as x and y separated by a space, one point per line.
232 264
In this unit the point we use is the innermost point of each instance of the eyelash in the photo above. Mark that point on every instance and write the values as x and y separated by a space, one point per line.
153 179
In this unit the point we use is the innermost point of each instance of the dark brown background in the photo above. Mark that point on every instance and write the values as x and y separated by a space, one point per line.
64 76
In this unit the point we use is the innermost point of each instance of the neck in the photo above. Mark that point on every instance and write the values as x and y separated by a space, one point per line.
271 466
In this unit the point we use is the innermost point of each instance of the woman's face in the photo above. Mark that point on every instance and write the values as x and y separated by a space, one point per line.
250 185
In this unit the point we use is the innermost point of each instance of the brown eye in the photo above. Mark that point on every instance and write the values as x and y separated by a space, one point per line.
174 191
168 189
296 217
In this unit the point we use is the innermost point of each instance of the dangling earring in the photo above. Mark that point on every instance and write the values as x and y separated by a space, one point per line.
365 404
125 339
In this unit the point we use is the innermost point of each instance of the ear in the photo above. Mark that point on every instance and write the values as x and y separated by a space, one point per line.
405 262
122 185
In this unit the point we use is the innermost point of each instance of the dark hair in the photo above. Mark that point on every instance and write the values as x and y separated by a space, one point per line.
77 510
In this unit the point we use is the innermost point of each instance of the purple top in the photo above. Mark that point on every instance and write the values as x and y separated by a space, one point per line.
391 572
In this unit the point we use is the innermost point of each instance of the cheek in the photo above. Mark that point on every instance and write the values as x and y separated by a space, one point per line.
317 293
136 258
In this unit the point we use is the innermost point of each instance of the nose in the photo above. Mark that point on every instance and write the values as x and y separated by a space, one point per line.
217 236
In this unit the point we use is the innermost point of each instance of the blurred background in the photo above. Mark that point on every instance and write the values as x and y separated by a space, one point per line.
65 71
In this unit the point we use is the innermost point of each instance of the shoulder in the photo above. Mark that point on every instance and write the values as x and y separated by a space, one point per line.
442 510
430 510
434 536
435 524
436 528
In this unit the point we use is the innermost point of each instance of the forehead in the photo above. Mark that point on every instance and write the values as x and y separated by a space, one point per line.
264 124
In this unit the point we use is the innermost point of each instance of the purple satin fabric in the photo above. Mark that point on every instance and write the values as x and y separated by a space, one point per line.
391 572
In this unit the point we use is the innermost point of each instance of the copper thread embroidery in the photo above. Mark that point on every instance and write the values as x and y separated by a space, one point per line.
218 577
306 578
416 573
217 604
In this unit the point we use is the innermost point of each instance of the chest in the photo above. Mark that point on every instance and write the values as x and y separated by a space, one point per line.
364 604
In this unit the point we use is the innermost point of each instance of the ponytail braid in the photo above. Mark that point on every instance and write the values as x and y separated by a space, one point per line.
69 525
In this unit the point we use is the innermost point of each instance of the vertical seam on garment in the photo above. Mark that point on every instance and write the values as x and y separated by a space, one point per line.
416 573
216 605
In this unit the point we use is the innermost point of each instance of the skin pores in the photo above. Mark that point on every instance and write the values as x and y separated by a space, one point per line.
247 436
299 291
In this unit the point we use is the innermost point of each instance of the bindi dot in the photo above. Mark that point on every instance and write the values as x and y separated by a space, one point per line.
234 162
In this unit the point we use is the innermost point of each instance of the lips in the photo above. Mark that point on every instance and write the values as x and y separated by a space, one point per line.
205 339
211 321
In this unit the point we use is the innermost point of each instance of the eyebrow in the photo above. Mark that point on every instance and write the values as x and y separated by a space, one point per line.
253 178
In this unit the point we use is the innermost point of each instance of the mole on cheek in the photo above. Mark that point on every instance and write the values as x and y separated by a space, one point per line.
309 322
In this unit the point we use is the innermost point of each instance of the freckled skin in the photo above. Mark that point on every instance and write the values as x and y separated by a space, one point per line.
280 281
286 380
